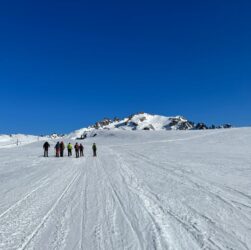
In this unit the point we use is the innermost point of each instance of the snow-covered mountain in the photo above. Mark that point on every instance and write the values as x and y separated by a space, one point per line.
141 121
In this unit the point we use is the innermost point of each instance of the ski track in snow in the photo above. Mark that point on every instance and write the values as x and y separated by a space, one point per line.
195 232
175 193
22 199
156 212
32 235
119 202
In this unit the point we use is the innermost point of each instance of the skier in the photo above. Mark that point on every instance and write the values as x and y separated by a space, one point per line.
69 147
94 149
62 148
46 149
77 150
81 148
57 148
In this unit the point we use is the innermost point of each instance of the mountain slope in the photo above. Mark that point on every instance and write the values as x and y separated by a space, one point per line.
140 121
18 139
156 190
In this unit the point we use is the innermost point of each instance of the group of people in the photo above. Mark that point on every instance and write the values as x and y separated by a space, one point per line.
60 147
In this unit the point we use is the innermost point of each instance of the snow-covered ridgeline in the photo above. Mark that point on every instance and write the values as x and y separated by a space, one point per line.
141 121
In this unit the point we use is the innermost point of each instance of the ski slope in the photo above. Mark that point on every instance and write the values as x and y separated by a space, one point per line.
179 190
8 141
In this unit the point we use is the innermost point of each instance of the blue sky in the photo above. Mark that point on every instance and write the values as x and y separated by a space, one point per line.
66 64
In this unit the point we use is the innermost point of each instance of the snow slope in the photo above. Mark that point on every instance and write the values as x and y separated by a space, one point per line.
20 139
143 121
179 190
140 121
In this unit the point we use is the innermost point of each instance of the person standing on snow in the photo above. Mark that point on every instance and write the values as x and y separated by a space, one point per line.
81 148
77 150
46 149
57 149
94 149
69 148
62 148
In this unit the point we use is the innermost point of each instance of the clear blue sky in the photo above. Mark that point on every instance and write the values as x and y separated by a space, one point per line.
66 64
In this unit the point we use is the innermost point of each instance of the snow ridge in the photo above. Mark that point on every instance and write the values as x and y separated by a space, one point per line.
141 121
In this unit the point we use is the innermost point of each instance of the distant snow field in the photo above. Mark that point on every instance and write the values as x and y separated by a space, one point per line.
177 190
17 139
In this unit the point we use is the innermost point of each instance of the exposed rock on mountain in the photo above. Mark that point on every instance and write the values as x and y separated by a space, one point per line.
142 121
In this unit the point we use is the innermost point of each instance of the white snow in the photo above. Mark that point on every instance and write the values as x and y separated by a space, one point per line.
179 190
139 121
158 122
18 139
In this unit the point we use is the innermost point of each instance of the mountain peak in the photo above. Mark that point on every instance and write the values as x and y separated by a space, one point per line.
141 121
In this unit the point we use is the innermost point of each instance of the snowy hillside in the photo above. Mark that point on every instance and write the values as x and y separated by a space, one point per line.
141 121
18 139
181 190
13 140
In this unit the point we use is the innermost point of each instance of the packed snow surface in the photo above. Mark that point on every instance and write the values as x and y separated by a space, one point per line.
177 190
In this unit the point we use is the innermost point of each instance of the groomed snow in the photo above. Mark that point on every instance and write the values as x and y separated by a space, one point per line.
179 190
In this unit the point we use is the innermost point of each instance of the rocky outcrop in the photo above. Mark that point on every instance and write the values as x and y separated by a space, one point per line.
200 126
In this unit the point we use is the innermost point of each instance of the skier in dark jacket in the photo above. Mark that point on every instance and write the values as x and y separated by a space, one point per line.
57 149
62 148
81 149
94 149
77 150
46 149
